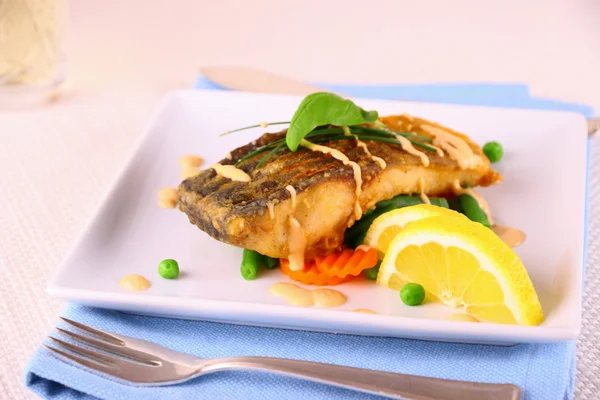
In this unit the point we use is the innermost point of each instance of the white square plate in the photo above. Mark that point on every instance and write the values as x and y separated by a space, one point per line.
543 194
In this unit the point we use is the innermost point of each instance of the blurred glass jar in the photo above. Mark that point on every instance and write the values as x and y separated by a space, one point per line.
31 47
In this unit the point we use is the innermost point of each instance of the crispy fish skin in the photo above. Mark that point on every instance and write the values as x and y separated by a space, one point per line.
238 212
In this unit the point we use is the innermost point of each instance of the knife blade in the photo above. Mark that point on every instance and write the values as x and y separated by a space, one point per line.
256 80
259 81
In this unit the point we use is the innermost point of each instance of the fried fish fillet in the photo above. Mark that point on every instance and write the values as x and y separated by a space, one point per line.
255 215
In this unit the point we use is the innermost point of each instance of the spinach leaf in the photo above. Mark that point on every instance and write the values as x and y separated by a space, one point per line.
324 108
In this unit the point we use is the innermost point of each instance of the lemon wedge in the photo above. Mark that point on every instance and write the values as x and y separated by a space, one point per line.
462 264
385 227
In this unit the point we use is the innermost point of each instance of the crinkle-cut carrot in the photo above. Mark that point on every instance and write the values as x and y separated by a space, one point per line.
348 262
310 275
334 268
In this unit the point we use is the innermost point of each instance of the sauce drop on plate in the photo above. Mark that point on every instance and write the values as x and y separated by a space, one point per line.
462 318
189 172
364 311
134 282
191 161
513 237
167 197
297 296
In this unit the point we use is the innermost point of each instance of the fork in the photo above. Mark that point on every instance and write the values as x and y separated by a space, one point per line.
144 363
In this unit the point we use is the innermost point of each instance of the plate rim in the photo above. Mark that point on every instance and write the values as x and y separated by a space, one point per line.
532 334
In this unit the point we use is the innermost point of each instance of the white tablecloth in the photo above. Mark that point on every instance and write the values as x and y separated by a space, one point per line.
57 161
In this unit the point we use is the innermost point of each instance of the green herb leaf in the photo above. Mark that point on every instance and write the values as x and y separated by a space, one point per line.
324 108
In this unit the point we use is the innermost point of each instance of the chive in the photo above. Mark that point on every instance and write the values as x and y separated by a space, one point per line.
275 143
275 150
424 146
386 140
259 150
326 131
329 139
254 126
379 132
331 134
391 133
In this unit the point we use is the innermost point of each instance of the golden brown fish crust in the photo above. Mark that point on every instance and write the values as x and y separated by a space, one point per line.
238 212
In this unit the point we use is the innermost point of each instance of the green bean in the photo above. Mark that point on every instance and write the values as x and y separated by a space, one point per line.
407 201
251 261
270 263
371 273
472 210
355 235
454 204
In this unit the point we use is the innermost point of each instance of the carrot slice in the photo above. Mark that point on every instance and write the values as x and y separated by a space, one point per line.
334 268
310 275
349 262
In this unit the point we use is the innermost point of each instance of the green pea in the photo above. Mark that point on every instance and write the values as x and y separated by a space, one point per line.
493 151
251 261
168 269
371 273
412 294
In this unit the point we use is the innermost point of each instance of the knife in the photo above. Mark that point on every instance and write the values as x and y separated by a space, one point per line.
249 79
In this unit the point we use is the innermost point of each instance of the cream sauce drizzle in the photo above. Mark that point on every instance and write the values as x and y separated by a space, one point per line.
439 151
231 172
364 311
363 247
271 208
458 190
409 148
456 147
228 156
292 191
296 244
360 143
263 124
378 160
422 191
134 282
297 296
338 155
513 237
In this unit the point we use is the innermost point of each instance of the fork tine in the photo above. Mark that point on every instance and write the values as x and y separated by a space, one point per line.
97 332
113 348
86 362
95 356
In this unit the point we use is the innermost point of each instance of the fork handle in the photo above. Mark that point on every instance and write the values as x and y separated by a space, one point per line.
397 386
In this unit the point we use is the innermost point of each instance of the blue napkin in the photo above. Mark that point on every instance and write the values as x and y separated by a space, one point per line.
543 371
